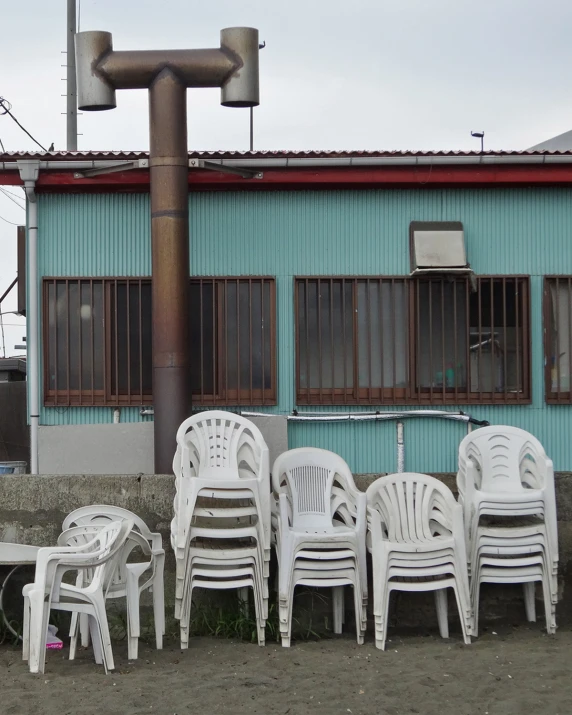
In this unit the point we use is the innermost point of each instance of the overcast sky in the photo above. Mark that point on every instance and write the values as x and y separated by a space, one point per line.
335 74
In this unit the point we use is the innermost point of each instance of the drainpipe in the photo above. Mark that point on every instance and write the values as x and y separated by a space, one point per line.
400 448
29 174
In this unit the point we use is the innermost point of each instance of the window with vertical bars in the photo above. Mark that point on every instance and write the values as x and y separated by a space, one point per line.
557 338
97 341
440 339
351 340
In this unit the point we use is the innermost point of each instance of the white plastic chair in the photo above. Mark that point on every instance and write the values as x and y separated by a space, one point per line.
131 578
49 592
221 456
320 525
504 474
417 543
504 471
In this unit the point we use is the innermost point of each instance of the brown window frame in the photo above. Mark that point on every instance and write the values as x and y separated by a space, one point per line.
412 394
246 395
555 397
354 394
455 394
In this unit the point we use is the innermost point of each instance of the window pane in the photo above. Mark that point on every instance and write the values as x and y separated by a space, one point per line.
325 334
441 334
382 338
560 311
131 362
203 337
495 336
74 315
91 327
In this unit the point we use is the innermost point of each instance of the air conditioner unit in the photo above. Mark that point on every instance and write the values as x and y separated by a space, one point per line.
437 247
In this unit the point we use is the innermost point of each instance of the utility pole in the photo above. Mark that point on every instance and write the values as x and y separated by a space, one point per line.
71 96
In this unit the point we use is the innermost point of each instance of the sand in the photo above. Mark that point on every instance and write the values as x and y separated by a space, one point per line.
515 671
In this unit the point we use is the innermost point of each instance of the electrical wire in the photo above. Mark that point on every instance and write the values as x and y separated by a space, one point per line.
6 106
10 222
9 196
12 194
2 145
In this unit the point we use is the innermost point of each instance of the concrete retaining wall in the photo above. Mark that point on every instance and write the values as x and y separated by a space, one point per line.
32 510
124 448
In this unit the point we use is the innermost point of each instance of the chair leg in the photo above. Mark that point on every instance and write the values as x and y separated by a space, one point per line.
442 615
338 605
529 600
159 614
358 613
84 630
103 630
39 612
133 616
26 630
95 639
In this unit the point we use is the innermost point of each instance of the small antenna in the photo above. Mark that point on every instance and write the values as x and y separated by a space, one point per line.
261 46
481 136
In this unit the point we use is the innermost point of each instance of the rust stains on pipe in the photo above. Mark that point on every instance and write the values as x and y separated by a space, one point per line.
170 255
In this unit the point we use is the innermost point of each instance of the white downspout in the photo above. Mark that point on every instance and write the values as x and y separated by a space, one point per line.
29 173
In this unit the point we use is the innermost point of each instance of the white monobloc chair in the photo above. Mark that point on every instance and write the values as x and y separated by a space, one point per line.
506 487
221 518
416 540
48 592
131 577
319 532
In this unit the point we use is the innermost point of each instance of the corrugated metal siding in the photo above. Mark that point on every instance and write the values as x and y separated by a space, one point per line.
284 234
95 235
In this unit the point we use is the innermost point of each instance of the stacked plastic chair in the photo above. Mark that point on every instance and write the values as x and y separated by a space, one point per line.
131 576
417 543
319 531
506 487
96 556
220 532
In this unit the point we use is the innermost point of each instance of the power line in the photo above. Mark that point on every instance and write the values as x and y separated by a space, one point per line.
2 145
12 222
9 196
12 194
6 106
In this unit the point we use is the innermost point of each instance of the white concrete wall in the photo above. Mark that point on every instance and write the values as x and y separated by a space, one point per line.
125 448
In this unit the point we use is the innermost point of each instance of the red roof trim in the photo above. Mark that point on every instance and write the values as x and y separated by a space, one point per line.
319 177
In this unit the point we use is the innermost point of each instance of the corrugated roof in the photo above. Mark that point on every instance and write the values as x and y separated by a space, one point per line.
278 154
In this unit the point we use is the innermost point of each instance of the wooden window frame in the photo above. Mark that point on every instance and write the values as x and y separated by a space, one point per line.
412 395
241 396
554 397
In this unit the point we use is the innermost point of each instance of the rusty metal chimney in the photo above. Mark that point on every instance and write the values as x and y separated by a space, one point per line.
167 74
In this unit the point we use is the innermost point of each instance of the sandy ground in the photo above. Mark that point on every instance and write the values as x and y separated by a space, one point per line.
515 671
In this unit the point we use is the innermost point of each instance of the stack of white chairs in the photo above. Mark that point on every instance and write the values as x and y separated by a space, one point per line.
131 577
97 557
416 539
221 528
506 487
319 531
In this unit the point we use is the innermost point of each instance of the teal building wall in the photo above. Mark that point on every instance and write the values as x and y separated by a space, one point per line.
348 232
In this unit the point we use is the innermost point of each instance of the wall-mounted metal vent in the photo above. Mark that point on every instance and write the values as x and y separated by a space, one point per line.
437 247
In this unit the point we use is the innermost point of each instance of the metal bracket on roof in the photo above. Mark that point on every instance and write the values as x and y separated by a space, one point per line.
111 168
214 166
